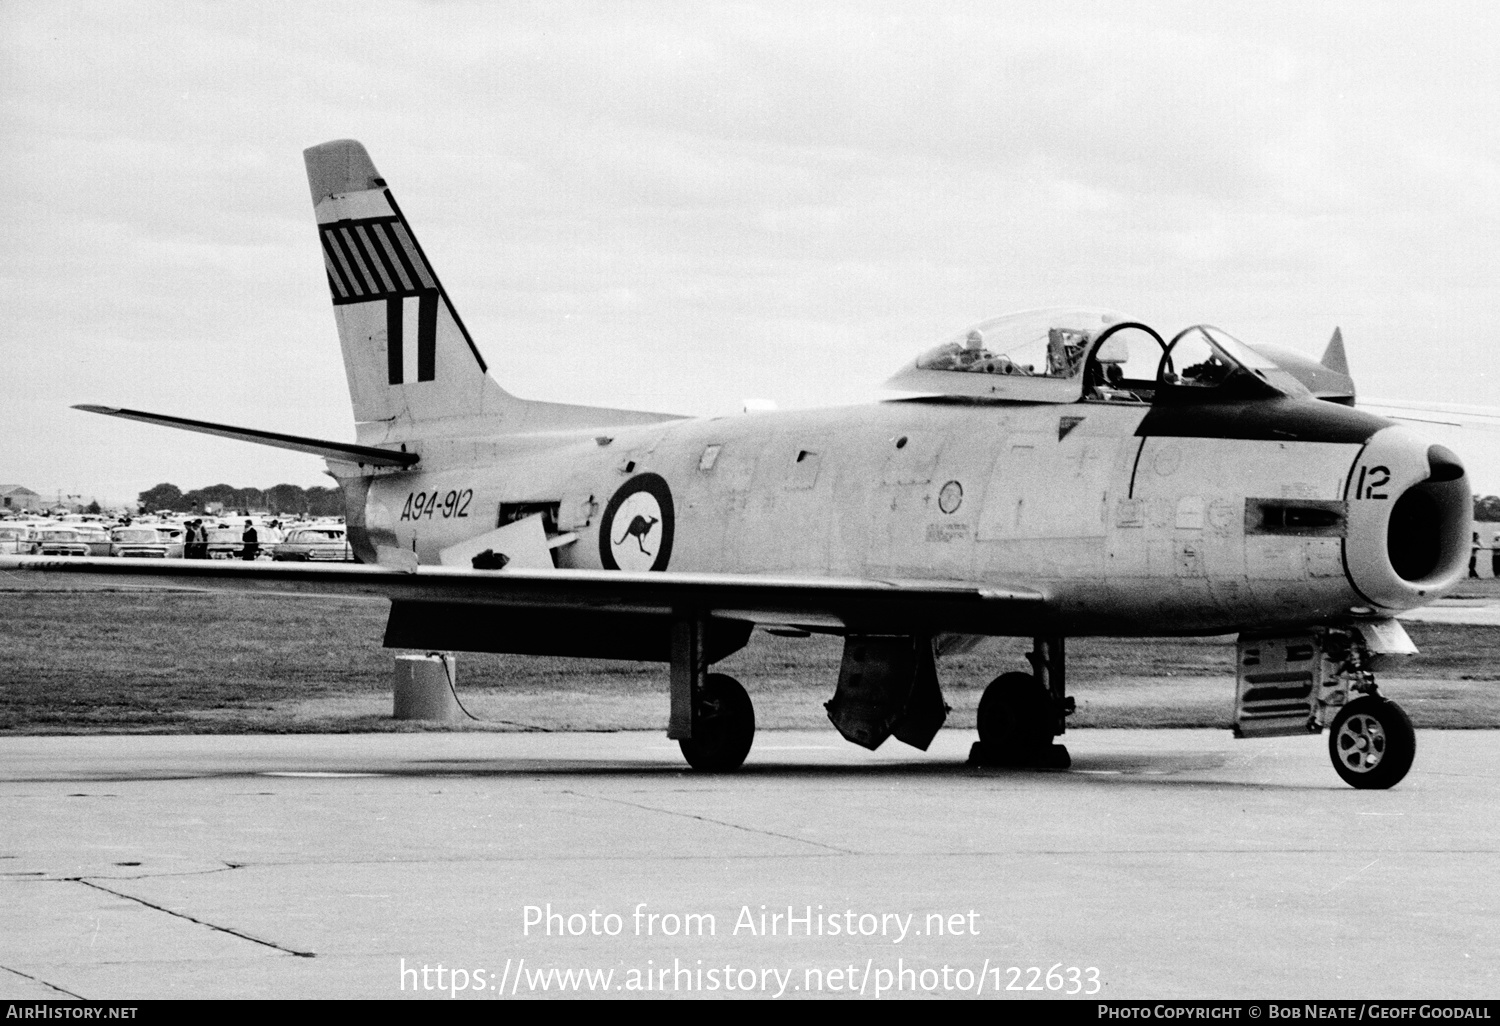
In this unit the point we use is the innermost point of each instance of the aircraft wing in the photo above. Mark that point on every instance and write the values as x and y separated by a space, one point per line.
1467 430
493 599
1457 415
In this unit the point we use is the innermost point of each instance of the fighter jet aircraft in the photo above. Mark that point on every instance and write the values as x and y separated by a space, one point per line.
1047 475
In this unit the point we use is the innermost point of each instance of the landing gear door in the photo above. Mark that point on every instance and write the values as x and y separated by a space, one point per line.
1277 685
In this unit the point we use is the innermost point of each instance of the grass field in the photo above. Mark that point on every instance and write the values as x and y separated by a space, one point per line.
79 661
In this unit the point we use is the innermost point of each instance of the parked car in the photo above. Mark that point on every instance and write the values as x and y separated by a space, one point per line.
224 542
159 541
73 539
17 540
227 541
327 543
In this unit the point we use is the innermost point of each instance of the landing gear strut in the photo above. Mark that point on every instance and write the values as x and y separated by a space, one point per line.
712 719
1020 713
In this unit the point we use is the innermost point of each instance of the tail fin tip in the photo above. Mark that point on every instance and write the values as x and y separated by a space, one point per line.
1333 357
340 166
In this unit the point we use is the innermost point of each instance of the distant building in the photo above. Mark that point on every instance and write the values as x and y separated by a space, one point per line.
19 499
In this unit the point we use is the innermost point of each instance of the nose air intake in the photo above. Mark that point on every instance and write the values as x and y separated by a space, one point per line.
1427 534
1408 521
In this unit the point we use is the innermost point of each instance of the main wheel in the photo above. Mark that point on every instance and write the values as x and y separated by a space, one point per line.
723 726
1016 720
1372 743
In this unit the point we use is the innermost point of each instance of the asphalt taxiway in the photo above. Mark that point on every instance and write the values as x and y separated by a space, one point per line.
1166 863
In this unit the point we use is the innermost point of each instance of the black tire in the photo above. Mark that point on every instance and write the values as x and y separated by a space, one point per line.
1372 743
1016 720
723 726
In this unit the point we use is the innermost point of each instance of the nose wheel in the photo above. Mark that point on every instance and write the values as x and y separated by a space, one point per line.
1372 743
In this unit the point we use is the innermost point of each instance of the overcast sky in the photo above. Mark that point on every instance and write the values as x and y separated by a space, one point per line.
679 206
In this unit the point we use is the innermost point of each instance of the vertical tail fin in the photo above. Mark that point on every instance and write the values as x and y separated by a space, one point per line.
408 357
407 354
1333 357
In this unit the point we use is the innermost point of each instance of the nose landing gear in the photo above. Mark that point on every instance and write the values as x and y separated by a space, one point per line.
1372 743
1325 677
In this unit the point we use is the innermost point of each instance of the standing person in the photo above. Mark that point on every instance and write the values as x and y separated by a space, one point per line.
190 541
251 541
1474 556
1495 555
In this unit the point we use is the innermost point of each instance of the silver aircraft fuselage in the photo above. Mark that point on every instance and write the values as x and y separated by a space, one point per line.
1131 519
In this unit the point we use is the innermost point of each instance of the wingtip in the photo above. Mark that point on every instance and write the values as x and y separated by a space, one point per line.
91 408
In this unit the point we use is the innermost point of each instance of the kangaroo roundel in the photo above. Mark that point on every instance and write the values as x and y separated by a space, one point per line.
636 531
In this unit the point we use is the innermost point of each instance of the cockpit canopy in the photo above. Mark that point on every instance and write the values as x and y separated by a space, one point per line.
1072 354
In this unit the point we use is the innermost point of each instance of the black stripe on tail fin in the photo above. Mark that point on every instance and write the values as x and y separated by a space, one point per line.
378 258
398 310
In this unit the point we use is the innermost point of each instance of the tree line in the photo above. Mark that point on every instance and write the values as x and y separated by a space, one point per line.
278 500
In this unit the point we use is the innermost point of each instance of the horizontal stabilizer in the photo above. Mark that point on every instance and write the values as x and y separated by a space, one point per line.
340 451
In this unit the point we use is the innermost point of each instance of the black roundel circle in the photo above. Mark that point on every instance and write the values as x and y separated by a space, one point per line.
636 531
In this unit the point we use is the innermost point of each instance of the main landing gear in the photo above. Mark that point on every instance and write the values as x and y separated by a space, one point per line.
1020 714
723 726
712 719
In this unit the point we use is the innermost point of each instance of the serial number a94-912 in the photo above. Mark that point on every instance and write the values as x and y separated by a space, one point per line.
437 504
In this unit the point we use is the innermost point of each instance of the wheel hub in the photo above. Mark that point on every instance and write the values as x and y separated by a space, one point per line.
1361 743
